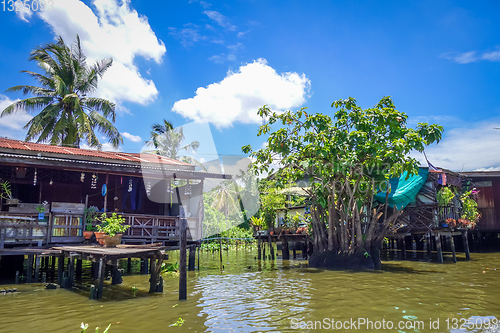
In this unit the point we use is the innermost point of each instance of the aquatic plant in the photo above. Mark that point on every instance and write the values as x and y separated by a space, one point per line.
170 268
179 322
84 328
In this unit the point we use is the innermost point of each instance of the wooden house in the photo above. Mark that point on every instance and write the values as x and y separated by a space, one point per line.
488 198
70 179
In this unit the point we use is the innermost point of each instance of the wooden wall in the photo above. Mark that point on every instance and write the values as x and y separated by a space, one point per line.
488 202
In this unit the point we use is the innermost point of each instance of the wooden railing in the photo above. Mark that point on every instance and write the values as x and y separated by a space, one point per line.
152 228
18 229
22 229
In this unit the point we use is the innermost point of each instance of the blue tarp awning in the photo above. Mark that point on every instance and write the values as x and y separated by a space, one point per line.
404 191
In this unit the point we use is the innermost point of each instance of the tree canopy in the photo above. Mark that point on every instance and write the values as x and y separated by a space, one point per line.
65 113
348 159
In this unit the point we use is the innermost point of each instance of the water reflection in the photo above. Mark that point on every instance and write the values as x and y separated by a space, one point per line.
247 295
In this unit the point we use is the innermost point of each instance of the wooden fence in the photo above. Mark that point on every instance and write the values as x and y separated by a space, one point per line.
22 229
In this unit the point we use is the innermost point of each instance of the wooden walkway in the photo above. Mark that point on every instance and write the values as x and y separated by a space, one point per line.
100 257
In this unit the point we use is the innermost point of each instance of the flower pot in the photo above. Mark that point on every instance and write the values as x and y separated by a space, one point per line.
87 234
11 201
100 237
112 241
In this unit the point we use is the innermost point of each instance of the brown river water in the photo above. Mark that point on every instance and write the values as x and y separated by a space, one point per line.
275 296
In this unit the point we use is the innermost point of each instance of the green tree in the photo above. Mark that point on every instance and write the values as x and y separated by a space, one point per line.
158 129
348 159
170 143
271 200
65 113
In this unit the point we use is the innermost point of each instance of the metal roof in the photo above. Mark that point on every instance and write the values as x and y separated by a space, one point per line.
86 153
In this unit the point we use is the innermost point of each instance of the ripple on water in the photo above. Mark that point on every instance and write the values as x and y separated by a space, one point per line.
267 297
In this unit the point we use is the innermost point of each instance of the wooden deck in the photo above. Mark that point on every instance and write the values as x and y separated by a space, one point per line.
90 252
100 257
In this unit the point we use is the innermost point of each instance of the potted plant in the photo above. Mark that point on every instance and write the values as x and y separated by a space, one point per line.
42 219
90 214
257 223
295 222
113 228
6 193
470 214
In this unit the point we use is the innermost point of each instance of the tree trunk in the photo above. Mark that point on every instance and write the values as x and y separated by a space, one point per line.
375 255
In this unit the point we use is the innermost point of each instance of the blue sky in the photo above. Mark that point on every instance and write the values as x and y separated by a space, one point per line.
218 62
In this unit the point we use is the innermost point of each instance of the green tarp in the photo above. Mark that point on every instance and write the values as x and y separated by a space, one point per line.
404 191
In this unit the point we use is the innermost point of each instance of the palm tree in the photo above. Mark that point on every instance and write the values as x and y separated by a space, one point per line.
160 129
66 115
169 142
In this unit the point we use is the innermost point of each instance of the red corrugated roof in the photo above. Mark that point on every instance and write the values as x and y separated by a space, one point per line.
118 156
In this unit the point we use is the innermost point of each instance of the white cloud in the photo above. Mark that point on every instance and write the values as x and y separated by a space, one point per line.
240 94
11 126
134 138
188 36
112 30
491 56
472 56
472 147
24 14
220 19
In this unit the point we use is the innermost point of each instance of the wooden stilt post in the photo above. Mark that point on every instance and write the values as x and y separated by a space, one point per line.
182 259
129 266
304 250
144 266
192 257
153 279
220 249
259 250
37 269
465 241
60 270
447 243
403 247
199 247
106 195
453 252
93 270
116 275
29 268
53 268
100 277
414 246
284 249
429 244
271 248
294 251
264 249
71 272
79 267
438 248
16 281
395 243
